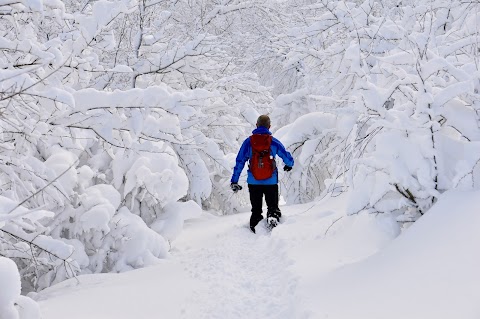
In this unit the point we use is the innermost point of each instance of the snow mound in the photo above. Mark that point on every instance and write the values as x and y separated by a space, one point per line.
430 271
10 279
10 294
170 224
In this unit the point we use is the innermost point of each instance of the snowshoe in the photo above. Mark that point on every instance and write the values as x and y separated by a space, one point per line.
273 218
271 222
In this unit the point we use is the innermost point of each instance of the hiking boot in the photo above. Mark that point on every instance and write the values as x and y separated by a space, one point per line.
254 220
275 214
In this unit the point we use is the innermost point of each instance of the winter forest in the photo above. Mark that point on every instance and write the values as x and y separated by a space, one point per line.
120 120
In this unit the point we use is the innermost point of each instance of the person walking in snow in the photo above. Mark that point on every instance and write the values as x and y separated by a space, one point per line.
260 150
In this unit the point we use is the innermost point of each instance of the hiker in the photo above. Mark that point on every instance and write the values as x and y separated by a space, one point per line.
260 149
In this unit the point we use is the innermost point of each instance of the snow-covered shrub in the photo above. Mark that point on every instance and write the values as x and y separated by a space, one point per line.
402 83
382 96
41 258
170 224
130 244
12 305
96 168
418 106
310 139
63 148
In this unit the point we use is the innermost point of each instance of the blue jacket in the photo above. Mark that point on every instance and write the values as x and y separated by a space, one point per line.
245 153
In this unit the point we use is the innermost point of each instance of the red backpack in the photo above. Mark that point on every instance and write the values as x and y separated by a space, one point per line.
262 164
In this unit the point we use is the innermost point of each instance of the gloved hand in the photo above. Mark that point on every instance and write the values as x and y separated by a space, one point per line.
235 187
287 168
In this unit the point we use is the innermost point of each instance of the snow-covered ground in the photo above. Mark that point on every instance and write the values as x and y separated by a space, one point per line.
318 263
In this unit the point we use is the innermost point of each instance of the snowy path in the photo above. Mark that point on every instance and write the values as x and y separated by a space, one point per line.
244 276
318 264
219 269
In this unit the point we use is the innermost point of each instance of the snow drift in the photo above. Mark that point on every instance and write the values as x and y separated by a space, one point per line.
430 271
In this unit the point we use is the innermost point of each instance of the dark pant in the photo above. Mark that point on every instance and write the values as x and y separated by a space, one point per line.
256 197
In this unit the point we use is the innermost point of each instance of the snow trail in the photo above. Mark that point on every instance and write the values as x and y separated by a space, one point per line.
320 263
218 268
243 275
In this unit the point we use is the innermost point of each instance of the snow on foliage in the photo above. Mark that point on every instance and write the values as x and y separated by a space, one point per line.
118 117
308 139
408 78
10 287
170 224
12 305
112 113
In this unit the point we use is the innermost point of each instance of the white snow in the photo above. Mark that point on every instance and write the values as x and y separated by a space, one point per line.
121 69
100 202
318 263
157 291
120 121
10 279
170 224
12 305
430 271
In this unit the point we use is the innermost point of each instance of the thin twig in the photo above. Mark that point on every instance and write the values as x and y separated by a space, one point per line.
332 225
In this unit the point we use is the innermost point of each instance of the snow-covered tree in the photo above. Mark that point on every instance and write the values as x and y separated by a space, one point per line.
403 81
121 119
89 171
416 100
58 152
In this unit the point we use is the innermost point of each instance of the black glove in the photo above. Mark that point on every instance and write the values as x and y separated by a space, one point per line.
235 187
287 168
